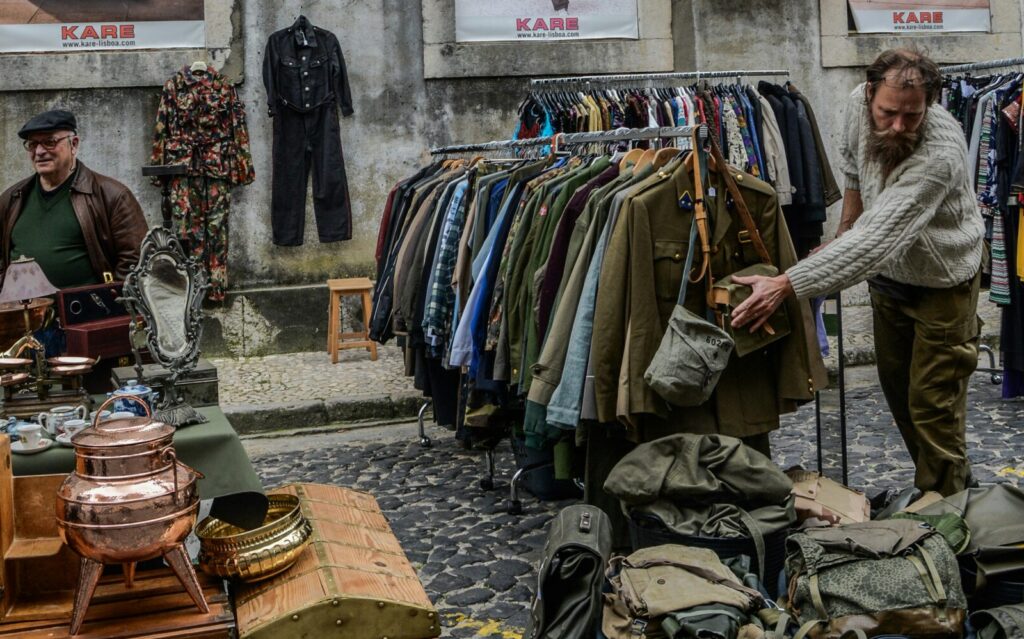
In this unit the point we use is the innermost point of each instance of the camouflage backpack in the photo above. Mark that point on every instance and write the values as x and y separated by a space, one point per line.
881 577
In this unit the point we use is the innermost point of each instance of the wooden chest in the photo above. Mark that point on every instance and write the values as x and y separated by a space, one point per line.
352 581
106 338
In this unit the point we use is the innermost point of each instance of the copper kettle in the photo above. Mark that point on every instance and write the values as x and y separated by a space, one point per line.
128 500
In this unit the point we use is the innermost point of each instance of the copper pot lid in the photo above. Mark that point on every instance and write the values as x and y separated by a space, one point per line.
126 431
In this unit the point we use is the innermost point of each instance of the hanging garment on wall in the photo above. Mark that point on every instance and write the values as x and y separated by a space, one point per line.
989 109
306 80
201 124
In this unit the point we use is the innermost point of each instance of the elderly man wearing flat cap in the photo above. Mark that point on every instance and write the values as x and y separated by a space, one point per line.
81 227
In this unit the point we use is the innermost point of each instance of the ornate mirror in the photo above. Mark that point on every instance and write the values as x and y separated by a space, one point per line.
166 289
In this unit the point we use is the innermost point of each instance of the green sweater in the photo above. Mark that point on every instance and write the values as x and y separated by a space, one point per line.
48 230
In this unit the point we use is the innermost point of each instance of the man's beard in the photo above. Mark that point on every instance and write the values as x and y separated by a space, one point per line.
888 149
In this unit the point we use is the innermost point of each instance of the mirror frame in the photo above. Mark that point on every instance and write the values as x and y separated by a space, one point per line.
159 242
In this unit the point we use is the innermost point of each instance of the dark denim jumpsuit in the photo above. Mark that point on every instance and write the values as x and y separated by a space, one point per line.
306 80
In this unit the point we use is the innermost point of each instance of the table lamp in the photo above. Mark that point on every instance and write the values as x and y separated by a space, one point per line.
24 280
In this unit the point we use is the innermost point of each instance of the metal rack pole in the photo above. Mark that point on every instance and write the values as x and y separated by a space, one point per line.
679 75
981 66
617 135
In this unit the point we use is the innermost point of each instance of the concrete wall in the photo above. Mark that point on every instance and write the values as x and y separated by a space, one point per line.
278 300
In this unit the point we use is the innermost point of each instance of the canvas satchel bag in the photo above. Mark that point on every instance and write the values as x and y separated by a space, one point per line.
568 600
693 351
653 583
727 295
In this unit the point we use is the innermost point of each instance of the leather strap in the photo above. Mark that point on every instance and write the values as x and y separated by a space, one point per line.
700 216
807 627
755 533
681 300
780 627
739 202
819 603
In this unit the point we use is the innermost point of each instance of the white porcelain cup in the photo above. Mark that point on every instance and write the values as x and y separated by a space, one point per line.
122 414
53 421
74 426
31 435
104 415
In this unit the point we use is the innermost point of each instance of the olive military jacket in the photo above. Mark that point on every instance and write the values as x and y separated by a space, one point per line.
640 281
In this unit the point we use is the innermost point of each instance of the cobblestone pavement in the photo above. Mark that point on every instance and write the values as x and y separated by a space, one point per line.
477 562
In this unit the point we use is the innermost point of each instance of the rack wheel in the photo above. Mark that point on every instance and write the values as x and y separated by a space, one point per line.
487 484
514 507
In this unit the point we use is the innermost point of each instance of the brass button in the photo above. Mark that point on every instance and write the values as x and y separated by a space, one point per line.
676 256
337 622
295 617
739 177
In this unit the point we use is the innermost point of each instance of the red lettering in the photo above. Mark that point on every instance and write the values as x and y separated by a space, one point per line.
522 24
540 25
68 33
936 17
108 31
572 24
90 32
128 31
557 23
897 17
912 18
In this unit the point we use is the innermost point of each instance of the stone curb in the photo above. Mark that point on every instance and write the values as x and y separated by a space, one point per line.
313 414
299 416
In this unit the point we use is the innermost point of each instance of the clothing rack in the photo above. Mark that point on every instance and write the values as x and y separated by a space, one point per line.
681 75
980 66
618 135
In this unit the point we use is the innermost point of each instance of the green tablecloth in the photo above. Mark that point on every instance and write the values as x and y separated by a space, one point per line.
212 448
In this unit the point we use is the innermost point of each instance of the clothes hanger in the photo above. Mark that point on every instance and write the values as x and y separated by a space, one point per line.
663 156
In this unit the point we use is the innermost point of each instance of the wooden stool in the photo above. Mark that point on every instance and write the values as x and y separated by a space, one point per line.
336 340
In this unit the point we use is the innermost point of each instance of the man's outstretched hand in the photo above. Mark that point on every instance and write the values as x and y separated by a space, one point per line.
768 293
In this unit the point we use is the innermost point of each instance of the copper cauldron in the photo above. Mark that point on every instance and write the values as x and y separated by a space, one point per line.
128 500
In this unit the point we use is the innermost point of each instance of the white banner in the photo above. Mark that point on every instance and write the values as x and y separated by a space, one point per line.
895 16
545 20
102 36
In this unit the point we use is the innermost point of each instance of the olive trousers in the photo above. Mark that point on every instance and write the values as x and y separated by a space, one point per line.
926 348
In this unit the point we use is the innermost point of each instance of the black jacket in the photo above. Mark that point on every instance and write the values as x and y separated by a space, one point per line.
303 69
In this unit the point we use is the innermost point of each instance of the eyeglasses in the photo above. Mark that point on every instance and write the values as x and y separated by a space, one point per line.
49 145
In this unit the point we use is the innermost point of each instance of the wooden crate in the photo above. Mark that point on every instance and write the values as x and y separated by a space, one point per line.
156 607
353 580
39 575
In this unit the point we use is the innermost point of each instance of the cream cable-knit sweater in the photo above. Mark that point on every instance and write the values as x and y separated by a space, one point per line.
920 226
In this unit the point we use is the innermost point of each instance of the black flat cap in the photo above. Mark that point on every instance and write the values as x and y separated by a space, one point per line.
56 120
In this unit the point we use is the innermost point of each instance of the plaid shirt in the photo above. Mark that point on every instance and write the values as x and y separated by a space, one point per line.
440 300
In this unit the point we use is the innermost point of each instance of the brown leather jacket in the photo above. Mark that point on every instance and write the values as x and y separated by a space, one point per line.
111 219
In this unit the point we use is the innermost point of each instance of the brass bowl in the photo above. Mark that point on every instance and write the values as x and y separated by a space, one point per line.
230 552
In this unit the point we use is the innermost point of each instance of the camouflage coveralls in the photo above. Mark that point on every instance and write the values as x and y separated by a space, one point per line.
201 123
